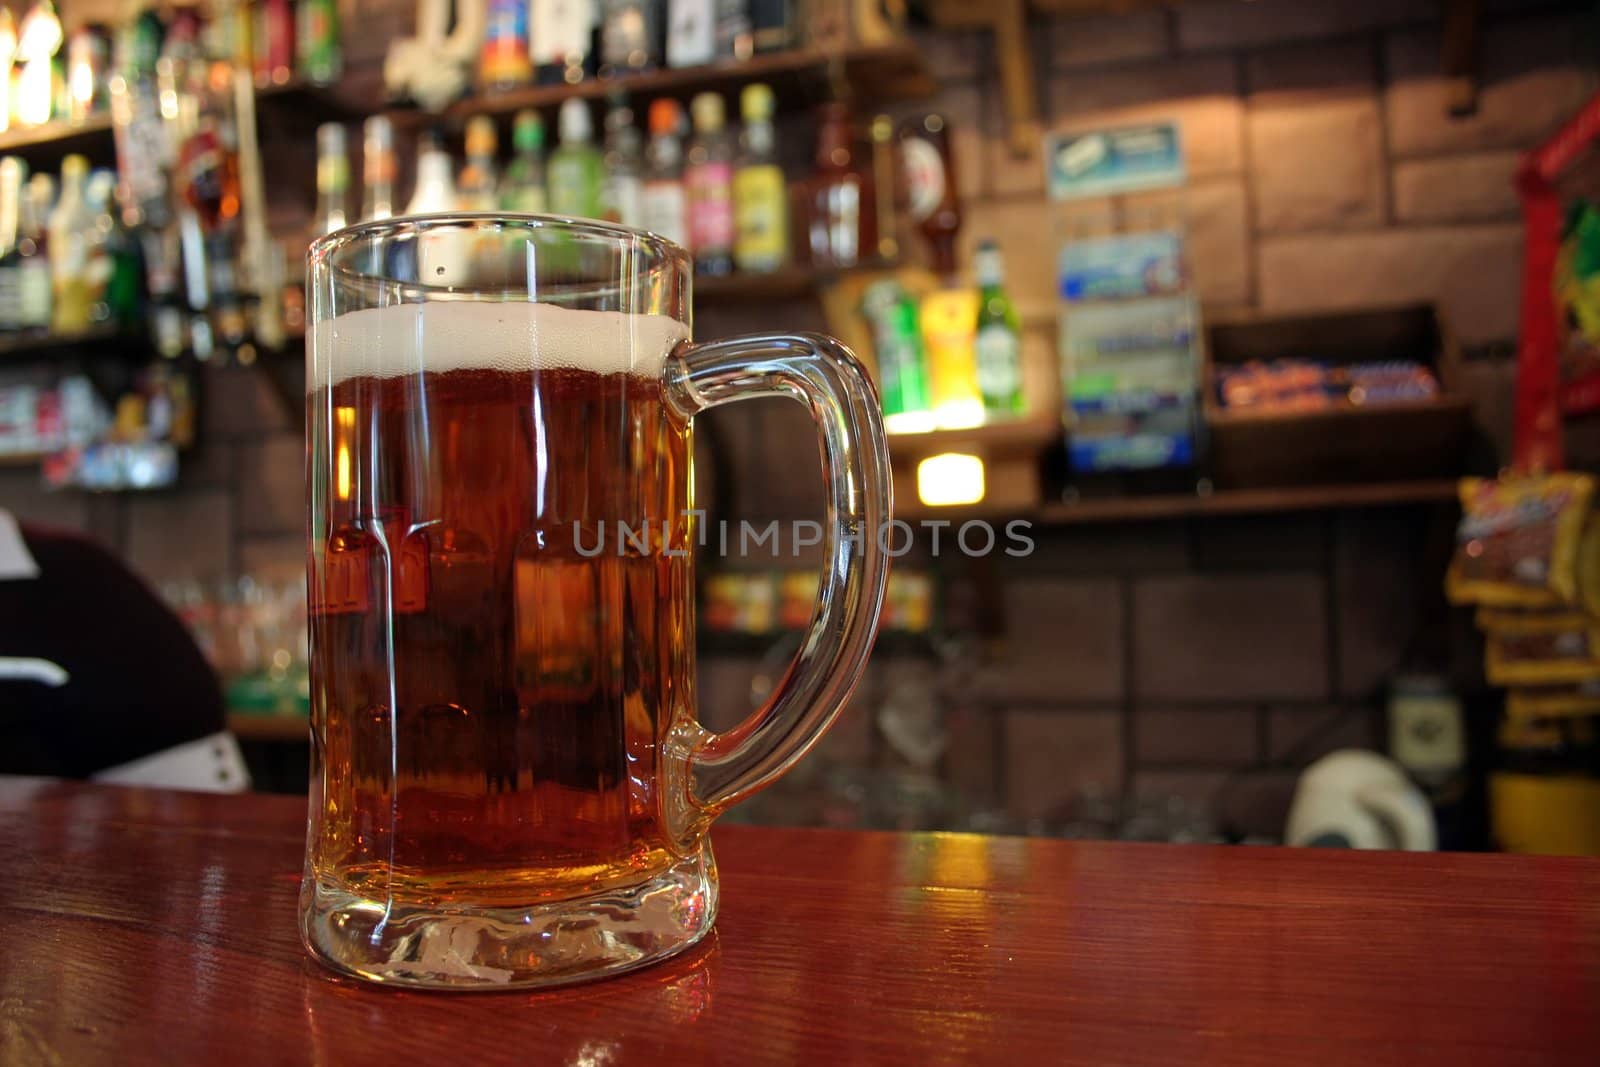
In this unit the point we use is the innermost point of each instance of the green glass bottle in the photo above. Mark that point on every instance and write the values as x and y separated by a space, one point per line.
320 56
902 367
522 187
576 168
999 336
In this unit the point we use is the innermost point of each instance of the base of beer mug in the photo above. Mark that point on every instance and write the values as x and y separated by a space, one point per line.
545 944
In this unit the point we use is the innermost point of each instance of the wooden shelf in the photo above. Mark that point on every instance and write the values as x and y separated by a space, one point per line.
262 726
1169 507
25 347
60 137
1013 435
21 459
1247 502
786 283
802 75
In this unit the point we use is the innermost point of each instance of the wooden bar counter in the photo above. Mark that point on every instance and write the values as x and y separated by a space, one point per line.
140 926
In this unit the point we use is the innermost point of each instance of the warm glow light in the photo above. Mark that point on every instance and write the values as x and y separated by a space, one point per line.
959 414
949 479
346 419
910 422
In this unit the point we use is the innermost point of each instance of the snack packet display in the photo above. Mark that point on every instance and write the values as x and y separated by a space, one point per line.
1527 704
1517 544
1552 657
1492 619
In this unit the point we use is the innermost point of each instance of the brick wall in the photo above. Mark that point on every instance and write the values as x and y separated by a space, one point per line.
1152 659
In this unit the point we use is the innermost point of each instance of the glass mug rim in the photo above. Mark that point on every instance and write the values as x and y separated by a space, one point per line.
327 249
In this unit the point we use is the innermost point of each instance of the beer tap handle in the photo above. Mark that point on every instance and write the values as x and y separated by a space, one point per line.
719 769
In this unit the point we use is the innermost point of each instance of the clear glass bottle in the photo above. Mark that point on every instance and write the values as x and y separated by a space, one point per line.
844 217
522 187
71 229
561 40
624 165
760 193
691 32
479 184
333 179
576 166
435 190
378 167
34 283
708 180
998 346
666 209
629 36
13 207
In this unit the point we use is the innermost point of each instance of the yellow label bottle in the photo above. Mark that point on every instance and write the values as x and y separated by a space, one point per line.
949 337
760 193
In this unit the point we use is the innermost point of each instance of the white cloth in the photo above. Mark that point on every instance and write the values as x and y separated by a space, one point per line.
16 562
210 765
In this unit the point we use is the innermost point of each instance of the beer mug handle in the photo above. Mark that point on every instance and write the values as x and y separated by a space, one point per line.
831 382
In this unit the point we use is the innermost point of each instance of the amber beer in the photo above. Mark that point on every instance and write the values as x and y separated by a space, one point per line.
498 671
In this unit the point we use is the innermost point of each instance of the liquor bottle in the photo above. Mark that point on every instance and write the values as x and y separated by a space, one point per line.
8 56
902 363
72 294
522 188
665 206
998 345
38 39
319 56
435 190
735 37
333 178
691 32
478 186
628 37
377 169
13 171
760 193
34 281
772 25
117 256
561 40
143 142
575 165
504 62
88 65
932 201
624 166
446 258
844 218
274 41
708 181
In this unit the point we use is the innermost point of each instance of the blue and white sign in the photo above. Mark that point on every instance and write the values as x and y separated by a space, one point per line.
1105 162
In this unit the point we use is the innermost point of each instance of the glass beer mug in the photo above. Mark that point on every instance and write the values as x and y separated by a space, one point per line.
510 785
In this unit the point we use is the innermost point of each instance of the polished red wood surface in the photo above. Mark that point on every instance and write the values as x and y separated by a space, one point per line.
141 926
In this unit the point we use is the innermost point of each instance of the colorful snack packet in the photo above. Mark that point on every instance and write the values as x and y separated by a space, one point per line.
1517 543
1549 658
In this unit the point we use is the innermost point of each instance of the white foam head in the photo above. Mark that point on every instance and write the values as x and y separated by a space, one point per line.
448 335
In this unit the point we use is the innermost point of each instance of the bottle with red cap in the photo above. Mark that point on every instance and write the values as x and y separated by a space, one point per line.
666 208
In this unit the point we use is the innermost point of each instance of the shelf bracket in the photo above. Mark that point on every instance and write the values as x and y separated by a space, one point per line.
1007 20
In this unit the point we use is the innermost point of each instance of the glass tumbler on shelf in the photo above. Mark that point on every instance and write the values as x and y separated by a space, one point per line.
510 784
